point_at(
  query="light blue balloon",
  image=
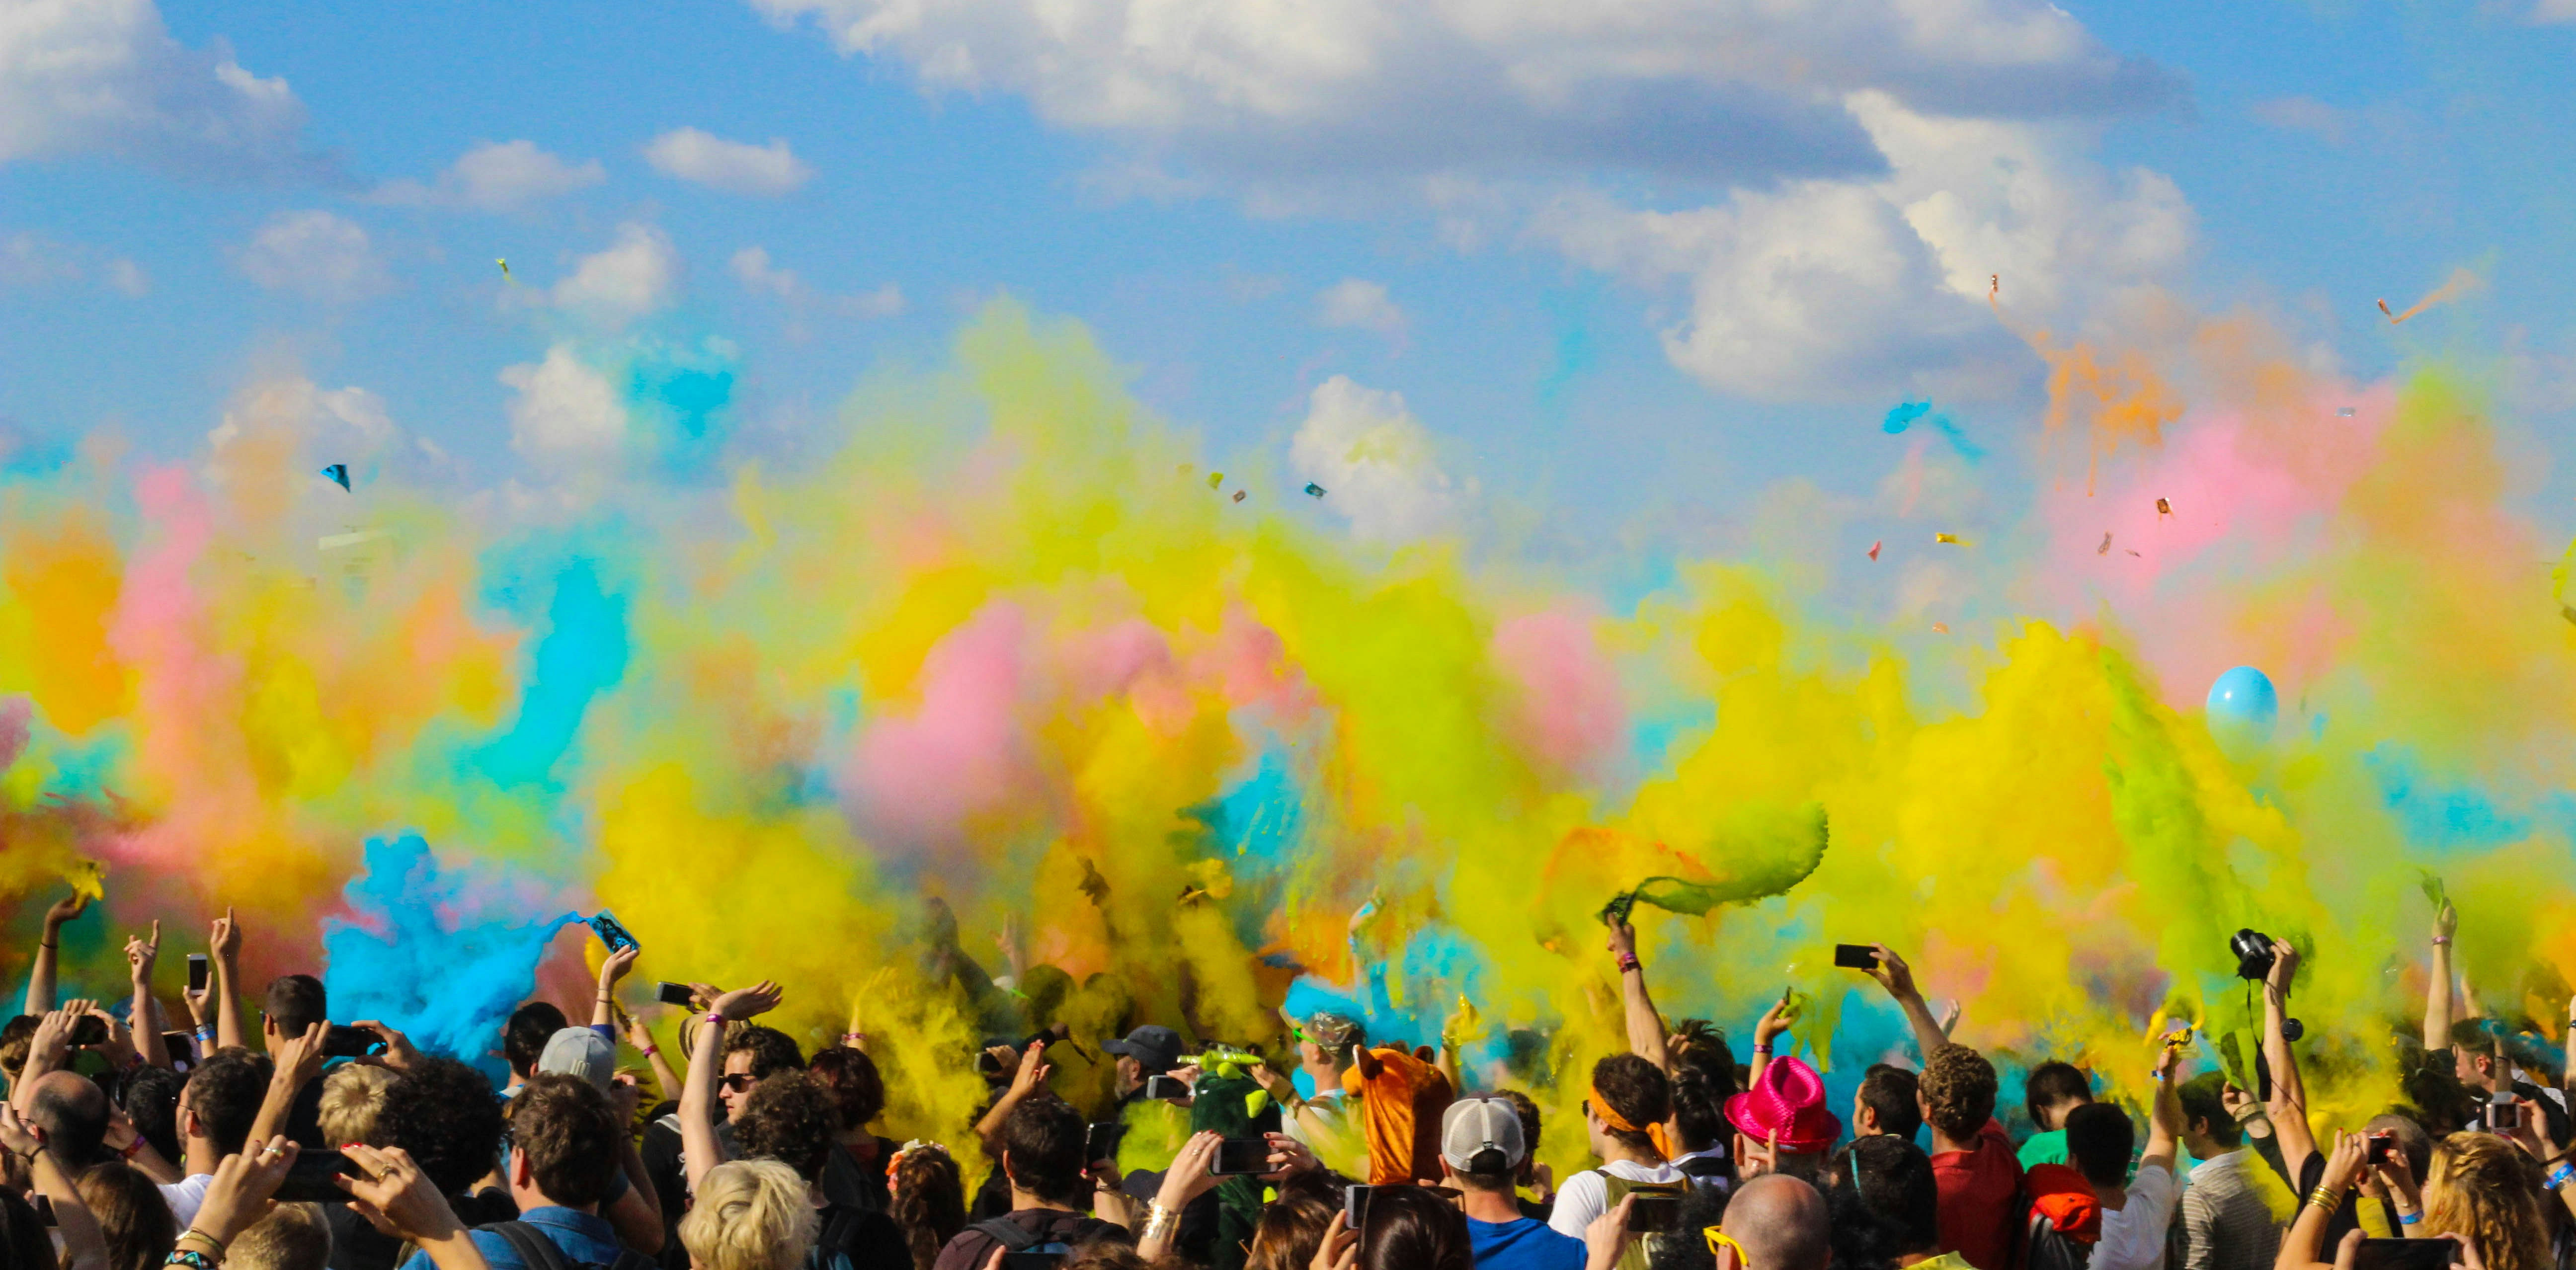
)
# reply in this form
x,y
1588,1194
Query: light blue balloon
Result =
x,y
2242,710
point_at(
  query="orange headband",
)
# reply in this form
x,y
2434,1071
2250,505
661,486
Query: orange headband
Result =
x,y
1655,1133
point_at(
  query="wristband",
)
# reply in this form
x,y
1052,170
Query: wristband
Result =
x,y
1628,961
46,946
1763,1050
1158,1220
2326,1197
2441,939
650,1050
133,1148
716,1017
190,1258
211,1242
2409,1219
2562,1175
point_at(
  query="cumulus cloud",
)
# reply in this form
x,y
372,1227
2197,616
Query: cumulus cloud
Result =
x,y
703,158
636,276
565,413
1360,304
1852,288
315,254
497,176
1376,462
104,76
753,268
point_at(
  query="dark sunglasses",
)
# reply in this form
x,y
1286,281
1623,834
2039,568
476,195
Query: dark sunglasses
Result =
x,y
740,1082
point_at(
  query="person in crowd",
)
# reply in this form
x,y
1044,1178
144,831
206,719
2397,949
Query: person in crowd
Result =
x,y
1398,1096
132,1217
2050,1091
793,1118
1041,1153
353,1095
750,1215
151,1102
1151,1050
2230,1196
440,1117
1973,1165
2482,1189
43,1175
290,1237
928,1199
1328,1045
523,1041
217,1108
1400,1228
1695,1059
2137,1208
1292,1229
1535,1177
1887,1101
1886,1209
1481,1152
1781,1125
1623,1115
633,1205
560,1164
855,1172
1775,1222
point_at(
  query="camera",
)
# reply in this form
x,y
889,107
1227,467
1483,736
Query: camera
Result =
x,y
2254,959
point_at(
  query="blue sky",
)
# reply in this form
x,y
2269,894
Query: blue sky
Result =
x,y
1613,269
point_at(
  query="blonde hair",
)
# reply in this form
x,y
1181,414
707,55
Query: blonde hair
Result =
x,y
291,1237
751,1215
351,1096
2481,1188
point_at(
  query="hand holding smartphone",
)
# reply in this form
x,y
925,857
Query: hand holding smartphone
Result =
x,y
1855,956
669,993
1241,1157
196,972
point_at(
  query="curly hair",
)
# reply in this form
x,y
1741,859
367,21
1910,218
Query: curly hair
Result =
x,y
444,1113
771,1050
750,1215
1958,1087
929,1202
2481,1188
856,1087
790,1118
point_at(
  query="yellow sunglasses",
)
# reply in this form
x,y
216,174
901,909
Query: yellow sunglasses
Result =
x,y
1718,1239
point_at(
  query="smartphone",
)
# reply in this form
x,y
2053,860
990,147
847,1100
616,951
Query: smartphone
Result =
x,y
989,1063
1236,1157
2503,1116
1355,1202
610,933
308,1180
45,1210
1100,1141
1159,1088
2379,1148
181,1047
2406,1254
343,1041
196,972
89,1029
1653,1214
669,993
1852,957
1051,1260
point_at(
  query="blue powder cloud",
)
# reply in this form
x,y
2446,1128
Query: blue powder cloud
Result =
x,y
1906,414
582,654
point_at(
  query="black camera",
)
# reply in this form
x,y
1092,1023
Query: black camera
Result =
x,y
2254,959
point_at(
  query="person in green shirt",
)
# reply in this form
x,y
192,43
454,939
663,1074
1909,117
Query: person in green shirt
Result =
x,y
2053,1090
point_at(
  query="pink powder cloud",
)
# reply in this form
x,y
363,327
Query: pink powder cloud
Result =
x,y
1569,714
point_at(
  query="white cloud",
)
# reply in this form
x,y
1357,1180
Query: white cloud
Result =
x,y
81,76
317,255
1375,462
128,277
29,259
750,267
498,177
1355,302
565,413
1852,288
636,276
703,158
753,268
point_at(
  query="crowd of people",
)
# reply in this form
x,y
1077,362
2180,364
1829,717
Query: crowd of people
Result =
x,y
312,1145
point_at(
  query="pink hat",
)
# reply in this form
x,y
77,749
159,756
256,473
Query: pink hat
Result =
x,y
1788,1098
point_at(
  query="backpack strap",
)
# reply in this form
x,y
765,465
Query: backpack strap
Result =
x,y
1013,1236
535,1251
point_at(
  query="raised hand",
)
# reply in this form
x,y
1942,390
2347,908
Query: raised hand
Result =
x,y
299,1058
1033,1071
1605,1238
1192,1173
1288,1158
1777,1019
617,964
63,910
398,1054
224,938
2285,964
1341,1247
140,953
2446,920
239,1195
20,1138
744,1003
396,1197
1623,940
1892,973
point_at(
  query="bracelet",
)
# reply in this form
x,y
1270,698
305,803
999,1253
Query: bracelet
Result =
x,y
2562,1175
1764,1050
217,1244
133,1148
190,1258
2409,1219
1628,961
650,1050
2326,1197
2441,939
46,946
716,1017
29,1155
1158,1220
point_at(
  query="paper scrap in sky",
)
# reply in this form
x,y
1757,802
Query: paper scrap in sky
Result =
x,y
338,472
2164,508
1215,479
1873,548
334,542
1238,495
1314,489
505,269
1953,539
2105,548
2461,280
1940,628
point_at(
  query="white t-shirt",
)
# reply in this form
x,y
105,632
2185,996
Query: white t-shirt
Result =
x,y
186,1196
1585,1196
2133,1236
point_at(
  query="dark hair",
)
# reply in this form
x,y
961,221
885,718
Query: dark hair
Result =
x,y
790,1118
1042,1141
568,1133
131,1214
2411,1140
1702,1207
27,1246
73,1113
1528,1112
524,1037
296,1002
1409,1228
1702,1044
2052,1083
1892,1179
1699,1107
15,1037
151,1101
1637,1091
1289,1232
1889,1093
771,1050
2200,1097
2099,1138
857,1090
224,1094
444,1114
928,1201
1958,1086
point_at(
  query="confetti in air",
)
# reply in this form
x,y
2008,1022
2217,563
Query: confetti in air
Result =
x,y
1314,489
1952,539
2163,508
2105,548
339,474
2461,280
1873,548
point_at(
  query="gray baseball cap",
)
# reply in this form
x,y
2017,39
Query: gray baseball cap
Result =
x,y
579,1051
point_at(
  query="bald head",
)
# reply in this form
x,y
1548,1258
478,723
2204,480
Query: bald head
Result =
x,y
71,1112
1780,1221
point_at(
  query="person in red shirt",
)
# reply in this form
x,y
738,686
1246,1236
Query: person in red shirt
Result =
x,y
1974,1168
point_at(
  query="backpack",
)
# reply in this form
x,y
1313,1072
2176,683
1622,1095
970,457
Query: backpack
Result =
x,y
2061,1220
538,1252
1642,1251
1015,1237
852,1238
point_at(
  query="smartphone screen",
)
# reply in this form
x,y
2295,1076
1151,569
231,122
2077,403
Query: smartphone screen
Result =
x,y
343,1041
611,934
196,972
2503,1117
179,1045
1158,1088
669,993
1240,1156
89,1029
1653,1214
2380,1149
2406,1254
1855,956
308,1180
1355,1202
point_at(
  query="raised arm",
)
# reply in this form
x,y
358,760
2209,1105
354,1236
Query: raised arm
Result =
x,y
1645,1025
698,1140
2306,1240
666,1083
140,954
1766,1032
1898,978
2164,1116
2288,1107
603,1006
2437,993
298,1060
1027,1079
637,1214
398,1199
224,943
40,979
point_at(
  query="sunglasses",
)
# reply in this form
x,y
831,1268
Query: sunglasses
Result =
x,y
1721,1245
739,1082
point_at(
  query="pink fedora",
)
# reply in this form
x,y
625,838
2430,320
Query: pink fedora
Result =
x,y
1788,1099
